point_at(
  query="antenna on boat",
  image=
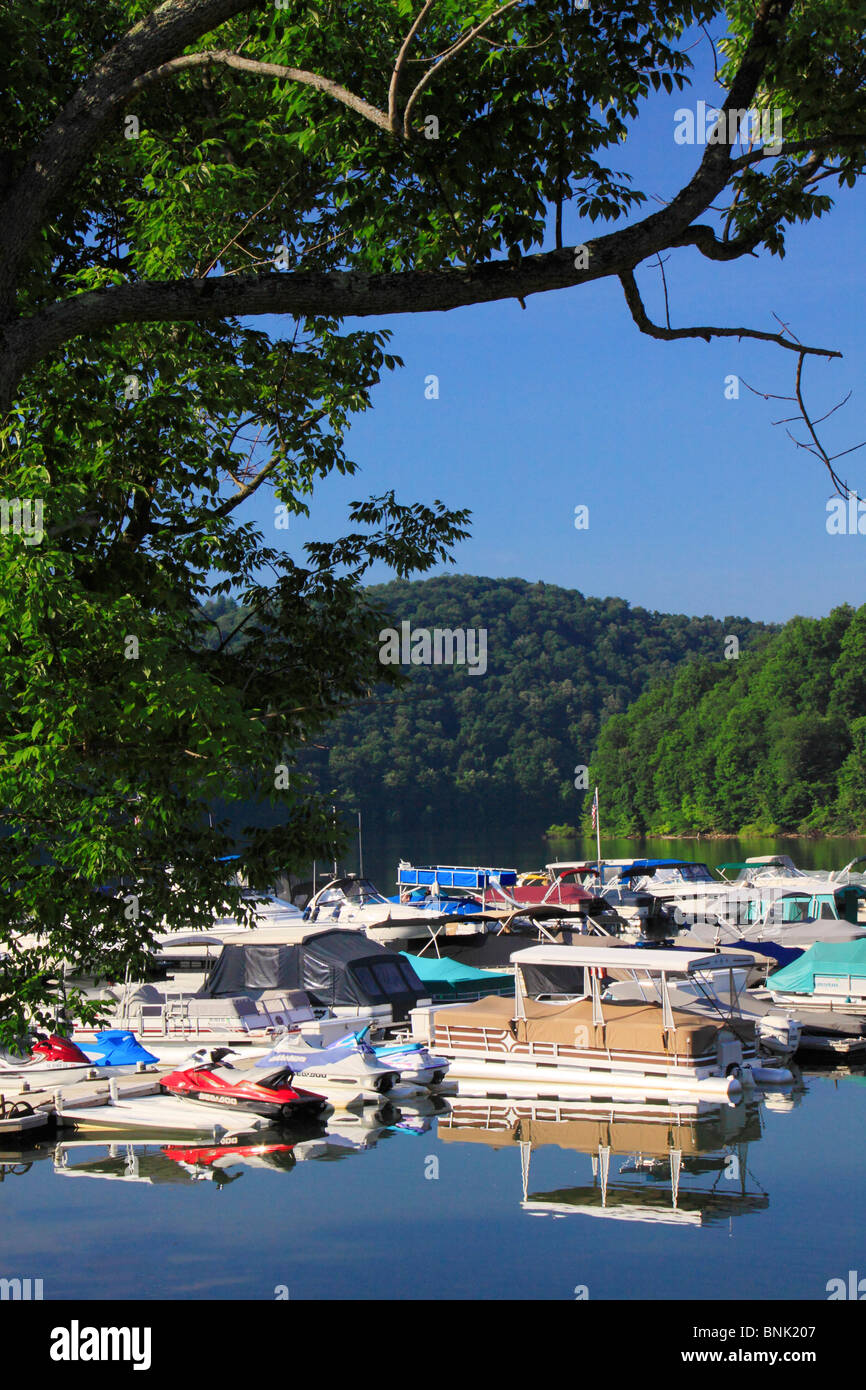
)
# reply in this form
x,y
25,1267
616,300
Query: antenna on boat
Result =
x,y
360,849
334,814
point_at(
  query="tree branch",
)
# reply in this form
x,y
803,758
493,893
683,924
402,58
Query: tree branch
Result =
x,y
338,293
222,57
446,58
654,330
393,90
818,142
77,130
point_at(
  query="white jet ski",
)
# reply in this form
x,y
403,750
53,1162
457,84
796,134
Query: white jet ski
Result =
x,y
350,1063
411,1059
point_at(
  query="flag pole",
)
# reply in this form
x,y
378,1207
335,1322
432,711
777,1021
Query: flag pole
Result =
x,y
598,837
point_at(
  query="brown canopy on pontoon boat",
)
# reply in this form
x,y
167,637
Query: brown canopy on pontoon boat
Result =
x,y
627,1027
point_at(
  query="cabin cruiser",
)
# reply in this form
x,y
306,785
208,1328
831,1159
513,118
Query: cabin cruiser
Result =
x,y
559,1033
352,902
785,924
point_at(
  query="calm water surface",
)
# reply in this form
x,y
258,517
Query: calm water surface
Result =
x,y
472,1203
768,1206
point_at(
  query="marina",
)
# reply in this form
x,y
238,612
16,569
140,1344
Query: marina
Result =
x,y
621,1088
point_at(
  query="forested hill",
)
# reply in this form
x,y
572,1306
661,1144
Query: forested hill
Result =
x,y
504,745
771,743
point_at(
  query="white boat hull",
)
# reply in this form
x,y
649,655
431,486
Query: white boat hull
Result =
x,y
476,1076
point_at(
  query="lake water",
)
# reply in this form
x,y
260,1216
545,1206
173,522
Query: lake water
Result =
x,y
488,1201
481,1204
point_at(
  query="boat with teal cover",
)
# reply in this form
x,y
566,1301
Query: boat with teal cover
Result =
x,y
448,981
830,975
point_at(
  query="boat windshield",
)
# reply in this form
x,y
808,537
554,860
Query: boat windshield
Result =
x,y
683,873
361,891
775,869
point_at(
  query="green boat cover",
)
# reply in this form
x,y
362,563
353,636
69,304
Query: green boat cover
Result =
x,y
449,979
824,958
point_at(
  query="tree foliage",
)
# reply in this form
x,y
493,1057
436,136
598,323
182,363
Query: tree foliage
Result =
x,y
505,747
171,175
771,743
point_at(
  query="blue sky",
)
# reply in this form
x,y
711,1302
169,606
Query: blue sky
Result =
x,y
697,504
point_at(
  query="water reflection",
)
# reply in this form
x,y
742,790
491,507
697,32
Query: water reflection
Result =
x,y
139,1157
679,1165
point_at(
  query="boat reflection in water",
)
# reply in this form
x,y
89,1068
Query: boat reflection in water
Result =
x,y
139,1157
663,1164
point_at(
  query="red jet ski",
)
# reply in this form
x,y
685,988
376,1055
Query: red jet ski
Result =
x,y
214,1080
49,1060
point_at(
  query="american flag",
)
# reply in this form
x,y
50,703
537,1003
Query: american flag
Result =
x,y
594,809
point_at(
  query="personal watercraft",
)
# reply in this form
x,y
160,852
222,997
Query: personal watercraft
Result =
x,y
412,1061
351,1062
211,1077
49,1060
119,1049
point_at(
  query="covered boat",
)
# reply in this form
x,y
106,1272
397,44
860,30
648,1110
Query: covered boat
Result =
x,y
448,981
558,1033
338,970
120,1049
827,976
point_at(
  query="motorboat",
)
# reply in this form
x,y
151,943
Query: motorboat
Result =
x,y
217,1077
449,981
253,993
355,903
827,978
787,923
463,889
167,1016
720,988
558,1033
561,884
349,1063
